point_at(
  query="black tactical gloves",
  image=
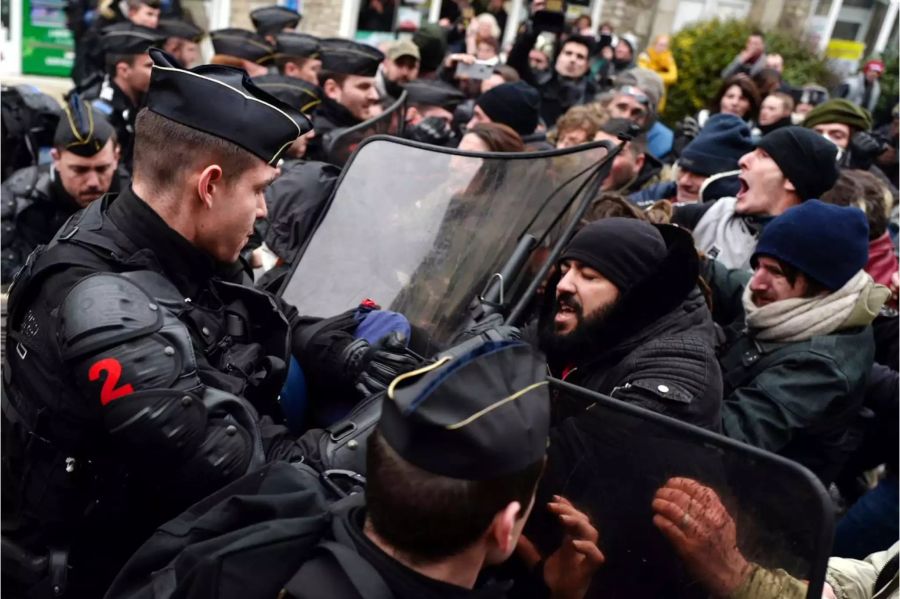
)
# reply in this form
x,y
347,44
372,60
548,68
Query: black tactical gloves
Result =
x,y
864,148
373,367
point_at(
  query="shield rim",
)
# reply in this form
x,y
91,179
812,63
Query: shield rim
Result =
x,y
295,259
819,563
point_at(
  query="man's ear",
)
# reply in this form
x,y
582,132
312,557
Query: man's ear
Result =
x,y
412,115
291,69
788,186
209,183
122,68
639,162
502,533
332,90
54,154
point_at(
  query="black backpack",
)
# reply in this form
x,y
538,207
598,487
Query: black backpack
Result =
x,y
246,540
28,120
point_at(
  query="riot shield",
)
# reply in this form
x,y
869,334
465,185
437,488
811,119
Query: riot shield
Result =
x,y
747,505
422,230
340,143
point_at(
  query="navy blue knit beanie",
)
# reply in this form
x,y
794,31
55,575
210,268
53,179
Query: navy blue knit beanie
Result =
x,y
517,105
827,243
721,143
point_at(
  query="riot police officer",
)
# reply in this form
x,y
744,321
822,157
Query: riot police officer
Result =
x,y
37,200
298,55
271,20
127,79
347,79
242,49
297,197
141,373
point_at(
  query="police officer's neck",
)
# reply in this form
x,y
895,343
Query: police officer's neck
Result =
x,y
461,569
171,209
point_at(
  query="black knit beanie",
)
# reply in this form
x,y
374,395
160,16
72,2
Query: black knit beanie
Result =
x,y
624,250
517,105
807,159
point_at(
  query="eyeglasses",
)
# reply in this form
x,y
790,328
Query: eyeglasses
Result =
x,y
637,94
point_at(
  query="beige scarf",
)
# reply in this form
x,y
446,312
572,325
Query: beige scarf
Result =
x,y
797,319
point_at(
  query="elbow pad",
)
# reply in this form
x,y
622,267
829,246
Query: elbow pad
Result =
x,y
134,362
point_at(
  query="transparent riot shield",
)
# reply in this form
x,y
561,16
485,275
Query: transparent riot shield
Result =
x,y
747,511
423,230
340,143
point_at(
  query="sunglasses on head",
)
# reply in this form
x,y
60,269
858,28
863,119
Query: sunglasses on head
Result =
x,y
637,94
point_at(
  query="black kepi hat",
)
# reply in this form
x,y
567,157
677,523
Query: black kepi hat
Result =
x,y
299,45
181,29
350,58
478,414
127,38
272,19
82,130
428,92
300,94
224,101
241,43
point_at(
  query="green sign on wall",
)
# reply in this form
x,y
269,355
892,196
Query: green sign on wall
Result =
x,y
47,45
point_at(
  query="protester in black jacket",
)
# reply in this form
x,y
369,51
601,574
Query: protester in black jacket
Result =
x,y
627,320
567,85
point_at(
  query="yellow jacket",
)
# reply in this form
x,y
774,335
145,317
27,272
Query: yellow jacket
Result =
x,y
663,64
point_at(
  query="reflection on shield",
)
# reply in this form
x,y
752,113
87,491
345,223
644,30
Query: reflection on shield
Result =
x,y
421,229
611,460
340,144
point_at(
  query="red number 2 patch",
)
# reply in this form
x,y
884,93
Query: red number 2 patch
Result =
x,y
113,370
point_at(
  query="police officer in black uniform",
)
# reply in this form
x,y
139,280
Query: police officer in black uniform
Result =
x,y
242,49
141,373
348,82
296,198
127,78
451,473
37,200
298,55
182,40
271,20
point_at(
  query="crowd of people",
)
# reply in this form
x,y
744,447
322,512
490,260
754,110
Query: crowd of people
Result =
x,y
735,274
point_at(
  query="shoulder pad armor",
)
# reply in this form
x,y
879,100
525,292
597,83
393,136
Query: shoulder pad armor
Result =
x,y
103,310
26,183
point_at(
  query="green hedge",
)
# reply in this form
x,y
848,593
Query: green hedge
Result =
x,y
889,89
704,49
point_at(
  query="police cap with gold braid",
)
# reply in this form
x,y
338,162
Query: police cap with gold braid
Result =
x,y
299,45
350,58
82,130
223,101
479,415
181,29
272,19
242,44
300,94
127,38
